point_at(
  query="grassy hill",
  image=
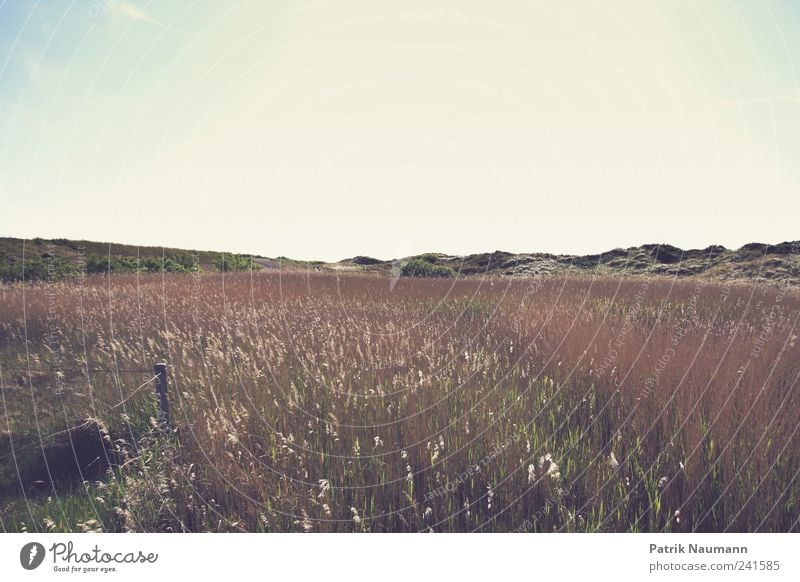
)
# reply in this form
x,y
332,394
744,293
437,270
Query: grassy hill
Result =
x,y
752,262
59,258
40,259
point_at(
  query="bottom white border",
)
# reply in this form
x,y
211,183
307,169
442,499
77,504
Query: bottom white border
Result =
x,y
333,557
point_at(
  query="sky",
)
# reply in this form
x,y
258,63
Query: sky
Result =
x,y
329,129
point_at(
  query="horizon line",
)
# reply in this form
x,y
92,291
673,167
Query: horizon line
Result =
x,y
165,247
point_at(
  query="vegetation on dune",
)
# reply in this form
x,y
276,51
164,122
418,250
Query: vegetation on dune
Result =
x,y
179,263
53,260
319,402
362,260
230,263
423,267
37,268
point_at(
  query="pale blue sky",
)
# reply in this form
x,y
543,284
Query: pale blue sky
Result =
x,y
329,129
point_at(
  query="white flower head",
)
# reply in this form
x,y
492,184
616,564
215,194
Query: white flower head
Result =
x,y
324,488
549,466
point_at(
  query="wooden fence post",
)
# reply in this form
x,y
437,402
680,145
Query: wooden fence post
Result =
x,y
161,392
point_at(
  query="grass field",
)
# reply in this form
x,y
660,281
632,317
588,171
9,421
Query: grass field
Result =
x,y
317,402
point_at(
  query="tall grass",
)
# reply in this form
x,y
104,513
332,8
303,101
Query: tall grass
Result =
x,y
316,402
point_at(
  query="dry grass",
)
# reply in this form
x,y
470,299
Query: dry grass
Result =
x,y
324,403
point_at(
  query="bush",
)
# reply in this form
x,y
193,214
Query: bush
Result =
x,y
229,263
115,264
42,268
423,268
181,263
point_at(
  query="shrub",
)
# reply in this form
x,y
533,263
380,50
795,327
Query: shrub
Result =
x,y
423,268
229,263
181,263
39,268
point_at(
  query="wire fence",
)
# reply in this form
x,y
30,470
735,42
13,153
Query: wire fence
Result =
x,y
71,371
83,424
